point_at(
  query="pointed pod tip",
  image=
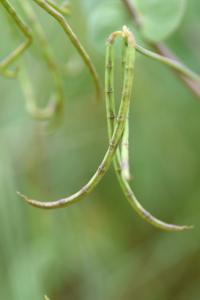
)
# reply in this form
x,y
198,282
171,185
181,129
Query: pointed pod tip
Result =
x,y
38,204
180,228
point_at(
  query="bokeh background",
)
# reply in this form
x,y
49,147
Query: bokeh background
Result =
x,y
99,248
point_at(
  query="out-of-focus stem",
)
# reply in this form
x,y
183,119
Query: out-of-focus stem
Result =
x,y
63,8
56,103
74,39
18,51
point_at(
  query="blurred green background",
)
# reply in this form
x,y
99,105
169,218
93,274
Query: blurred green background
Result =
x,y
99,248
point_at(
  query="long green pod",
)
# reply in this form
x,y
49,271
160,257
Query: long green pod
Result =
x,y
110,105
74,39
18,51
113,144
63,8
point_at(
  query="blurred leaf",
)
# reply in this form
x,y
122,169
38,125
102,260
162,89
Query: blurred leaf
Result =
x,y
107,16
160,18
88,4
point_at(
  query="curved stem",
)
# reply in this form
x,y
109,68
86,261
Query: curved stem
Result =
x,y
110,105
63,9
57,102
75,41
17,52
182,69
114,140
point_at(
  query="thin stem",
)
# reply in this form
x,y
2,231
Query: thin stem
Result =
x,y
63,9
110,105
57,102
161,48
17,52
75,41
179,67
167,52
113,144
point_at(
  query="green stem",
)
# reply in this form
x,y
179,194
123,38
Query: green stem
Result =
x,y
179,67
17,52
75,41
114,140
63,9
110,105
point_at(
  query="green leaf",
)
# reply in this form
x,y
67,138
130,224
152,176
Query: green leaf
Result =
x,y
159,18
106,17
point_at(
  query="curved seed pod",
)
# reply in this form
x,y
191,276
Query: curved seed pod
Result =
x,y
17,52
114,139
57,102
110,105
75,41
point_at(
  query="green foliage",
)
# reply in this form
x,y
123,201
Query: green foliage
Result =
x,y
160,18
107,17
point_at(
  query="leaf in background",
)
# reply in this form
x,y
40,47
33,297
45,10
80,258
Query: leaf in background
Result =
x,y
160,18
90,4
106,17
